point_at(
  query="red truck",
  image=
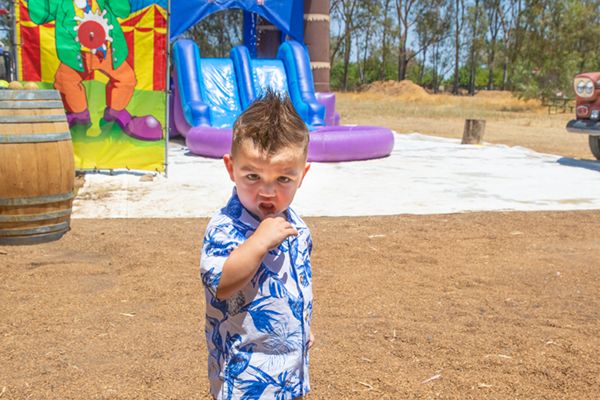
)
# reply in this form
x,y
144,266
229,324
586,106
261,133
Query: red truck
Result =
x,y
587,109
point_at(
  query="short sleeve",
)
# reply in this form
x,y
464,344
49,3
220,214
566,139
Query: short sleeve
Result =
x,y
219,242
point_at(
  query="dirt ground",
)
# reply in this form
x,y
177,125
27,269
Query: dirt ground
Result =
x,y
462,306
457,306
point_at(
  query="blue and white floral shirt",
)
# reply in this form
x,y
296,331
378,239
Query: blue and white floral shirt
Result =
x,y
257,339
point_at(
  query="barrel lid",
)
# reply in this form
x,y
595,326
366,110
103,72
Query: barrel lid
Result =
x,y
29,94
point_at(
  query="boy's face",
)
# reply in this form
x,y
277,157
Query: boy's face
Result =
x,y
266,185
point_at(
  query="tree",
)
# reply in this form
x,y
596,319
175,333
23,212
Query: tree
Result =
x,y
346,11
530,46
406,19
458,19
477,26
441,63
492,10
512,21
432,28
387,25
367,20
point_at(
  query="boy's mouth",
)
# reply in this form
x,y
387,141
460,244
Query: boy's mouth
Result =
x,y
267,208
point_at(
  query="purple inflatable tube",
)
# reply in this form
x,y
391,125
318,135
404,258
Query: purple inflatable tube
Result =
x,y
332,143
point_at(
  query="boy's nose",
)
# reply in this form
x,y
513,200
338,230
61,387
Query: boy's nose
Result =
x,y
267,191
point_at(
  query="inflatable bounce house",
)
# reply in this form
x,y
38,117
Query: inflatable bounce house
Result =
x,y
286,49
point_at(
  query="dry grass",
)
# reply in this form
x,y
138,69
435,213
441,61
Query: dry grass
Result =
x,y
509,120
484,101
496,105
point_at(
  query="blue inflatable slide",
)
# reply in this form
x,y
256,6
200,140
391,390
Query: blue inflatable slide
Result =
x,y
210,93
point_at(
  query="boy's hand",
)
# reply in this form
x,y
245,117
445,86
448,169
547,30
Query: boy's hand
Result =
x,y
311,341
272,231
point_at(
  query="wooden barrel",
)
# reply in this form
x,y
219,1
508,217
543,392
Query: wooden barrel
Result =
x,y
37,169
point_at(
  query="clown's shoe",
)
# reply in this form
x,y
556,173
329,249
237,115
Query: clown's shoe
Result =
x,y
79,119
143,128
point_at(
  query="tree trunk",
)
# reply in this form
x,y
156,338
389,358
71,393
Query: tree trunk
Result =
x,y
384,44
504,74
402,58
402,10
434,80
474,51
422,67
456,82
474,130
347,48
490,84
359,63
472,69
365,54
456,47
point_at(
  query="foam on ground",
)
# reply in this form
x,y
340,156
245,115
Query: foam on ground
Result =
x,y
423,175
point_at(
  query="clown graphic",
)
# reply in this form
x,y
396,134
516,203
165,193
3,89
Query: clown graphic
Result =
x,y
89,38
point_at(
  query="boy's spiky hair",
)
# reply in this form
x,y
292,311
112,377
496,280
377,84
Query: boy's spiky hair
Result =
x,y
272,123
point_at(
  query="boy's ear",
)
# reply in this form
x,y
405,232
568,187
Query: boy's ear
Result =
x,y
306,168
229,165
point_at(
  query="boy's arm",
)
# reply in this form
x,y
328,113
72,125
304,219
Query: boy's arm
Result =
x,y
243,262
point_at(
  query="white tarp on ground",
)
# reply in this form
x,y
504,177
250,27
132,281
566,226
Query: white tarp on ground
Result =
x,y
423,175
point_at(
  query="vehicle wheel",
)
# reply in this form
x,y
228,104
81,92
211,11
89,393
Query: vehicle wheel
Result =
x,y
595,146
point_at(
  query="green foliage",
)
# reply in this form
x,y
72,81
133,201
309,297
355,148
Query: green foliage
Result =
x,y
337,73
413,71
540,44
481,77
428,78
560,42
372,70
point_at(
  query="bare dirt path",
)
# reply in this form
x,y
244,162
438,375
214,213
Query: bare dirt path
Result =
x,y
460,306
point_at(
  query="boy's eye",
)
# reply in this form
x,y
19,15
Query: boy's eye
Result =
x,y
252,177
284,179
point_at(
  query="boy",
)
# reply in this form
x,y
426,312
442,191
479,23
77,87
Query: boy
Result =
x,y
255,262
